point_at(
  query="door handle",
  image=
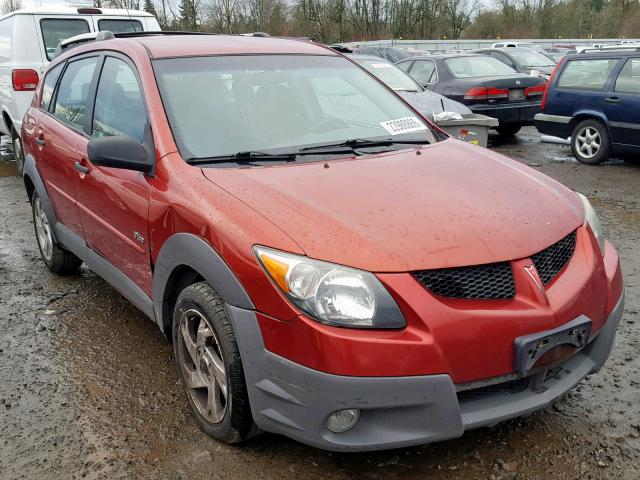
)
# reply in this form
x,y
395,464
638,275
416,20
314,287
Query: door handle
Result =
x,y
40,141
81,168
612,100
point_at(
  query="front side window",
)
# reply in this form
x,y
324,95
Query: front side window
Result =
x,y
119,107
424,71
224,105
49,86
120,25
480,66
56,29
629,79
586,74
73,92
391,75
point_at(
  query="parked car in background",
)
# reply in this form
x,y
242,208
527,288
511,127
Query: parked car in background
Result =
x,y
523,60
529,45
423,100
472,127
392,54
482,83
28,41
328,266
594,99
558,53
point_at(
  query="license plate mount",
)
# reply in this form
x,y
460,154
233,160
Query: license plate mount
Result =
x,y
530,348
516,94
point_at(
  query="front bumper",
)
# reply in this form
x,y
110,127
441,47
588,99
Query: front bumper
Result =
x,y
510,114
293,400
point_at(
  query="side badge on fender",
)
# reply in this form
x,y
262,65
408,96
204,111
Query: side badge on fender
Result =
x,y
138,237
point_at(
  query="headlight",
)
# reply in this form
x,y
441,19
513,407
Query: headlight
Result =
x,y
591,219
330,293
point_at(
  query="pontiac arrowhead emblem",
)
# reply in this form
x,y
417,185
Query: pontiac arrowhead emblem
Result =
x,y
533,273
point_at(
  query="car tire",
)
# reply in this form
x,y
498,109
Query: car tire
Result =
x,y
56,258
590,142
508,131
209,365
18,151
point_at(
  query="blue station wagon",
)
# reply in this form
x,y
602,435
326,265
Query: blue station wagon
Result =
x,y
594,99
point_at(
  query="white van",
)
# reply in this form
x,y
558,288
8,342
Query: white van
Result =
x,y
28,41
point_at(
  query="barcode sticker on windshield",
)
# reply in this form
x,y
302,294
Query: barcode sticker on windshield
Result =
x,y
403,125
381,65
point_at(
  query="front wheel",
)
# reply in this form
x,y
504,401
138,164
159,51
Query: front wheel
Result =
x,y
590,142
508,131
18,152
209,365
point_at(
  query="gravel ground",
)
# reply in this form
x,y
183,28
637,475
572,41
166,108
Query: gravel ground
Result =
x,y
88,387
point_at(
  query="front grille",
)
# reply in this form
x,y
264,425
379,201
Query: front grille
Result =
x,y
551,260
483,281
510,386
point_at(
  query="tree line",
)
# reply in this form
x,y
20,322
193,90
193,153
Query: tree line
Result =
x,y
356,20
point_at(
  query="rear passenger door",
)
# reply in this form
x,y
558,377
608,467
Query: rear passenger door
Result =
x,y
113,202
60,134
622,105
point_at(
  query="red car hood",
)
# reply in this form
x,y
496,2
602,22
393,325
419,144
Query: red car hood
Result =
x,y
454,204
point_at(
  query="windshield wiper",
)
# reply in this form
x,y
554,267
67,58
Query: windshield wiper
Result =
x,y
245,157
364,143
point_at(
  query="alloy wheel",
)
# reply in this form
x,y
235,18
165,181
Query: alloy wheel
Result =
x,y
17,153
43,230
203,367
588,142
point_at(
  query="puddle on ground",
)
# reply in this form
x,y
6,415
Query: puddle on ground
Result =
x,y
8,169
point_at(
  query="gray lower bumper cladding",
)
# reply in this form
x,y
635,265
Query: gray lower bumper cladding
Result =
x,y
293,400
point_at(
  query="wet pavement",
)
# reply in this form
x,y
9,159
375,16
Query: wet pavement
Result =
x,y
88,387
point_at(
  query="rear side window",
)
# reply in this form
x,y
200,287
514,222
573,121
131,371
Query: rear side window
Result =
x,y
49,86
586,74
73,92
629,78
119,108
124,25
424,72
56,29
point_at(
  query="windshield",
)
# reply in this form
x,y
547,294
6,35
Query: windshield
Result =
x,y
224,105
391,75
531,58
532,46
480,66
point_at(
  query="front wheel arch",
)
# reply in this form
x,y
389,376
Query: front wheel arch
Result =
x,y
184,257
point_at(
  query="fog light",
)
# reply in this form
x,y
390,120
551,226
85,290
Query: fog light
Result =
x,y
343,420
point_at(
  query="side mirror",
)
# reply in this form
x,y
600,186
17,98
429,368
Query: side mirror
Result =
x,y
120,151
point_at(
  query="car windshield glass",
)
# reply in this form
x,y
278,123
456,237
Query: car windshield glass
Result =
x,y
56,29
279,104
531,58
531,46
390,75
480,66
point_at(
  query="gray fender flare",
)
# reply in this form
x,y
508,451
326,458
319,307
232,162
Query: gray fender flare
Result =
x,y
31,172
185,249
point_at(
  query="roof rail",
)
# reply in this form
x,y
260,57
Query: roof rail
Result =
x,y
71,42
613,48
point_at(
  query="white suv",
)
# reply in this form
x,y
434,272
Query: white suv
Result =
x,y
28,41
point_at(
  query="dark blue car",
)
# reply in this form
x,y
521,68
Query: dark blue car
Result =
x,y
594,99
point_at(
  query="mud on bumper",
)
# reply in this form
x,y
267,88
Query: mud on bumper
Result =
x,y
293,400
